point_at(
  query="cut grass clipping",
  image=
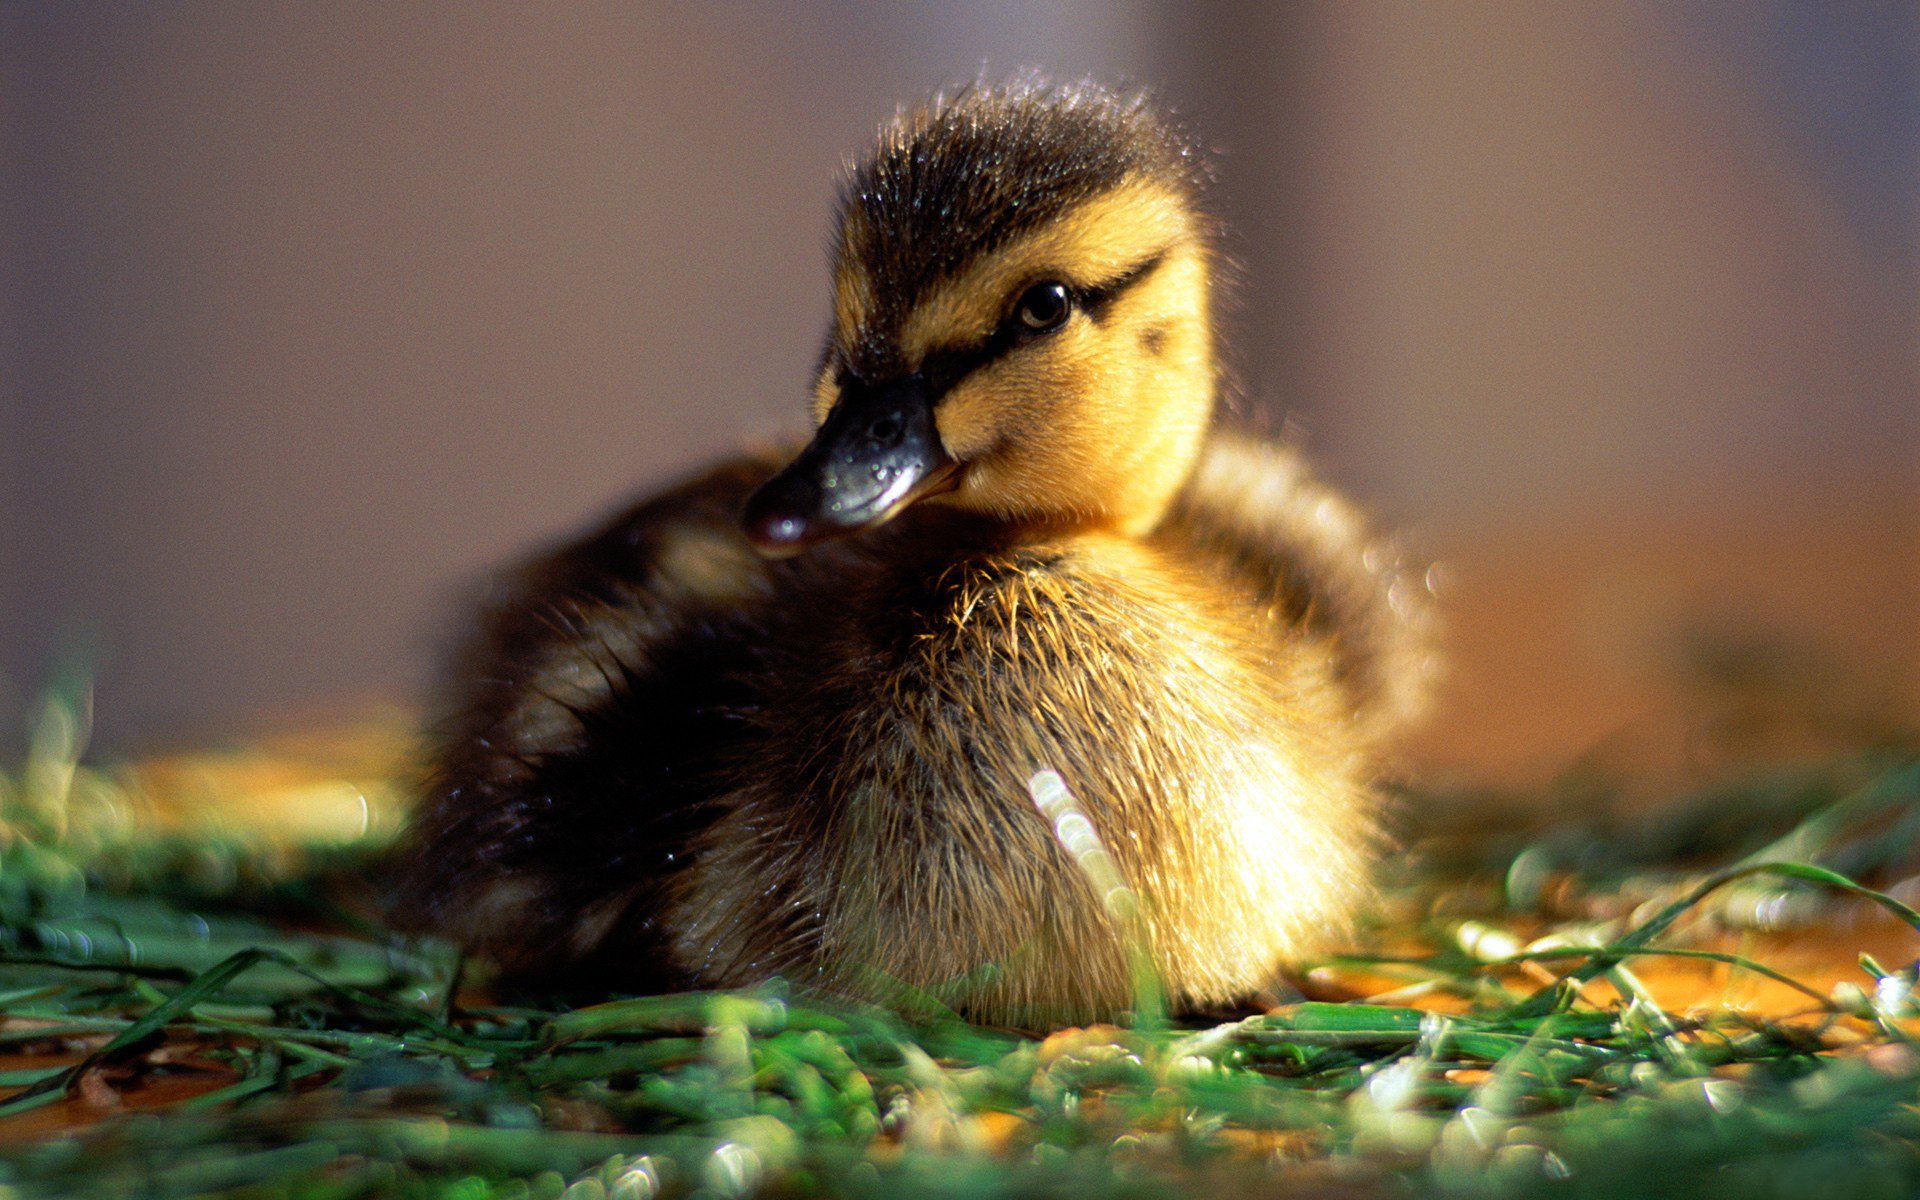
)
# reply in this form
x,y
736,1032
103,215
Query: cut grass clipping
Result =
x,y
1581,1011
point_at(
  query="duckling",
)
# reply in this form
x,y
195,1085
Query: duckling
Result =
x,y
791,717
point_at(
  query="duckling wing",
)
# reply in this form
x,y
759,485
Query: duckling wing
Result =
x,y
1253,514
583,718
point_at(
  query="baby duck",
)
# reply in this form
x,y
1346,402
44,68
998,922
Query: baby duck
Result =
x,y
793,719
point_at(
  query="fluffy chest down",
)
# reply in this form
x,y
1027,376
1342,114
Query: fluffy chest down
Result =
x,y
883,832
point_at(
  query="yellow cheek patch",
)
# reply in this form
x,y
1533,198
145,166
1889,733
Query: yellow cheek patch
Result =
x,y
1094,242
1019,394
1098,421
1091,374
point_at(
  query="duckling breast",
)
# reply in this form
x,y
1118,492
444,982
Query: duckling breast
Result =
x,y
885,833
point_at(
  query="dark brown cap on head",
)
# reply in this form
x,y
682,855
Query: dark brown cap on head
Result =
x,y
963,174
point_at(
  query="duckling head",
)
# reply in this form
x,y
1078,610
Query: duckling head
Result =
x,y
1021,322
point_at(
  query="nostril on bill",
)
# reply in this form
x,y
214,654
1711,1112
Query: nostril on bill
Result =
x,y
885,431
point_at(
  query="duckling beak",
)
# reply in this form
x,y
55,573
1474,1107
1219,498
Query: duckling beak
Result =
x,y
877,452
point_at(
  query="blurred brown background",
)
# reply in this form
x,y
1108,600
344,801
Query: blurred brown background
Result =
x,y
314,311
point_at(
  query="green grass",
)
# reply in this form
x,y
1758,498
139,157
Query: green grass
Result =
x,y
337,1061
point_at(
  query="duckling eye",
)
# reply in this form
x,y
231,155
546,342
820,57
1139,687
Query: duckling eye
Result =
x,y
1044,306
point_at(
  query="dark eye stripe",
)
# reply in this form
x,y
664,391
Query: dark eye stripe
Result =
x,y
1097,299
946,366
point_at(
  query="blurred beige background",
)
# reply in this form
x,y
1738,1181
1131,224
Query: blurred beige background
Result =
x,y
314,311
